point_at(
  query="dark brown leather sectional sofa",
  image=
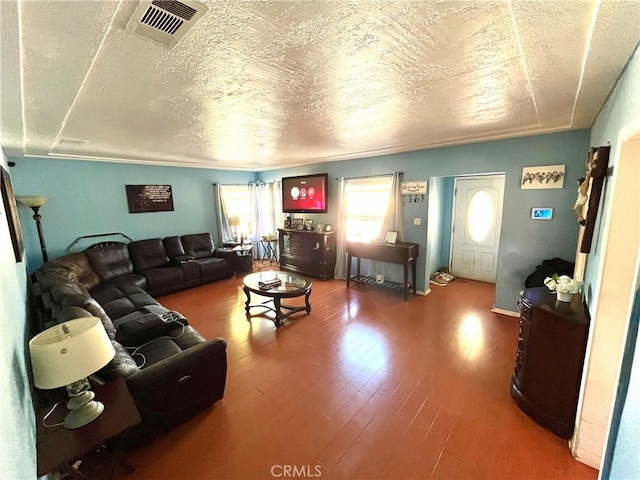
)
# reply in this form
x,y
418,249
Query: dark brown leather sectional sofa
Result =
x,y
170,369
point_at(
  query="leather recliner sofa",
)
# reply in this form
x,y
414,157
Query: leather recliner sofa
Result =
x,y
170,369
172,264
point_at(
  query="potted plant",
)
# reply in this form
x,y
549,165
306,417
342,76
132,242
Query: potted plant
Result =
x,y
564,286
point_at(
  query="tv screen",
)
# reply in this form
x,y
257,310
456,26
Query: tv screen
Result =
x,y
305,194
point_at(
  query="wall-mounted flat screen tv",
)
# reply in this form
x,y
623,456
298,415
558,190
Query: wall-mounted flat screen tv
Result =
x,y
305,194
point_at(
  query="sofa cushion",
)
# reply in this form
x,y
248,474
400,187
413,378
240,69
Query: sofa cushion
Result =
x,y
155,351
119,301
128,280
77,268
164,280
147,254
173,247
109,261
214,268
198,245
60,291
122,364
88,303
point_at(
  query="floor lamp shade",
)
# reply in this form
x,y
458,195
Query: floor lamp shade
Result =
x,y
34,201
68,352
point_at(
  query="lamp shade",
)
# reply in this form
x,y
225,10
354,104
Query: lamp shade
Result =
x,y
33,201
234,221
69,352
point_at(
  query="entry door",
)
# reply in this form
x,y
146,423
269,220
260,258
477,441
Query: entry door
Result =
x,y
476,227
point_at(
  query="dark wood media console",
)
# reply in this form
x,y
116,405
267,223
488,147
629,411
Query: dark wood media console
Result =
x,y
401,253
549,359
307,252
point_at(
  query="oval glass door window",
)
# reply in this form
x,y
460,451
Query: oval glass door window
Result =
x,y
480,216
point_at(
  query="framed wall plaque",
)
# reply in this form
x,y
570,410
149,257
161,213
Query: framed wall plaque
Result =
x,y
149,198
11,210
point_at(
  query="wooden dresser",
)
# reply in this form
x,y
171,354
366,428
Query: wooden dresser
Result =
x,y
549,359
307,252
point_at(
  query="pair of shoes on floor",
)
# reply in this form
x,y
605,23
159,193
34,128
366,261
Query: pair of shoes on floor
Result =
x,y
440,279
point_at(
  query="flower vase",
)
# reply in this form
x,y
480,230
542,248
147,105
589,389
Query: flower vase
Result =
x,y
564,296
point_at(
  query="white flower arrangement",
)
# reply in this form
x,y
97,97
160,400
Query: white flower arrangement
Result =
x,y
563,284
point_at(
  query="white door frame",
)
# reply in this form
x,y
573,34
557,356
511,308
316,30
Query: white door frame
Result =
x,y
453,208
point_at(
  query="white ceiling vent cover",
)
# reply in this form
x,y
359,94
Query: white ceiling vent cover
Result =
x,y
165,21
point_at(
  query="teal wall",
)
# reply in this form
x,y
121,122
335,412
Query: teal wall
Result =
x,y
17,435
447,221
622,458
434,225
524,243
622,106
87,198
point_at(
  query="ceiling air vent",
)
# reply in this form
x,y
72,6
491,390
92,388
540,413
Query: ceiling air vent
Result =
x,y
165,21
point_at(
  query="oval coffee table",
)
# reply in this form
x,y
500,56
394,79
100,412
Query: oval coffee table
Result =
x,y
291,286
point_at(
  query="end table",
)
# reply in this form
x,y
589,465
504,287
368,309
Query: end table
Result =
x,y
58,447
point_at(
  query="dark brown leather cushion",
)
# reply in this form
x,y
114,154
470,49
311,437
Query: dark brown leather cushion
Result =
x,y
122,365
78,269
173,247
198,245
110,261
59,292
146,254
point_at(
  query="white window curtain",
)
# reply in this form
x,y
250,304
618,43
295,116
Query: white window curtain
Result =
x,y
235,201
257,205
368,207
224,230
267,201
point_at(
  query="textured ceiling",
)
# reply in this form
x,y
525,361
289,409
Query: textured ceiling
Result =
x,y
259,85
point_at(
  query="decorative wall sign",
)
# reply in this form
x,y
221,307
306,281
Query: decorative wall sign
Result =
x,y
547,176
413,188
149,198
11,211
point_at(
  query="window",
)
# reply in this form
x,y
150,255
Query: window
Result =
x,y
366,206
237,203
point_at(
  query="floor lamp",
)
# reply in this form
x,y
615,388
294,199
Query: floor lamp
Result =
x,y
35,203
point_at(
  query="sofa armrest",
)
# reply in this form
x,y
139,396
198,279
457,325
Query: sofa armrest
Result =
x,y
228,254
193,377
141,327
179,260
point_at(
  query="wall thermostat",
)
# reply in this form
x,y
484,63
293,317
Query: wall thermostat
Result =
x,y
541,213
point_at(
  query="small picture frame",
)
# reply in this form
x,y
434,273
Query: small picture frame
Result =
x,y
297,223
287,222
319,227
328,227
391,236
308,224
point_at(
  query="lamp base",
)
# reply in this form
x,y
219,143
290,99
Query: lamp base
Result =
x,y
83,409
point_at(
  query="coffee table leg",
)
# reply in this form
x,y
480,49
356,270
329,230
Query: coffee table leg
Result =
x,y
306,300
246,304
278,311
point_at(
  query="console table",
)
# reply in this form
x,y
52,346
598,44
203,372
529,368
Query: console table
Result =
x,y
401,253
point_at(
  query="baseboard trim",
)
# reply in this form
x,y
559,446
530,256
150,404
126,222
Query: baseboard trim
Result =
x,y
502,311
426,292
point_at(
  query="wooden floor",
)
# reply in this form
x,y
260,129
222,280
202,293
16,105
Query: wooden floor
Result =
x,y
366,386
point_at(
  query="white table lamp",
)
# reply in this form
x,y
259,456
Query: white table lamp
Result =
x,y
64,355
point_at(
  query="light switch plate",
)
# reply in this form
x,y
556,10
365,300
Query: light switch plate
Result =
x,y
417,221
